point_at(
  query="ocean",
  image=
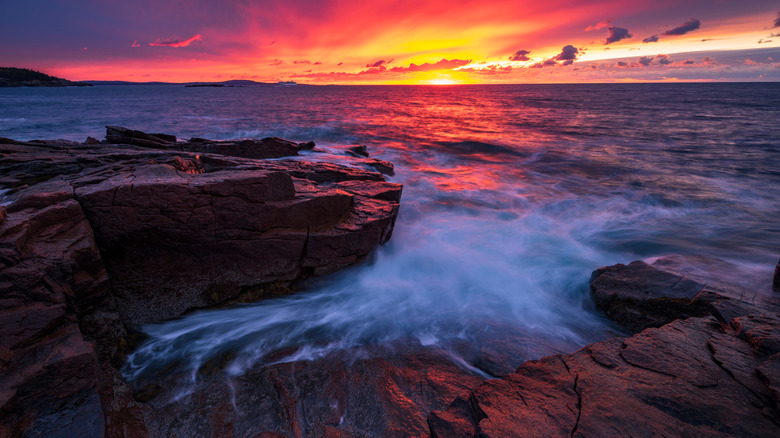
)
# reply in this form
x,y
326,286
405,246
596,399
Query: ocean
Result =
x,y
513,195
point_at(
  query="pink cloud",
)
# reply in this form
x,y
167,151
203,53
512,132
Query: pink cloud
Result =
x,y
135,44
177,43
598,26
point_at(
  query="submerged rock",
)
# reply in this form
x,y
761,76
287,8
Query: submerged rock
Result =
x,y
98,239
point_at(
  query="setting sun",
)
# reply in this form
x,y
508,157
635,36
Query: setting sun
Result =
x,y
442,81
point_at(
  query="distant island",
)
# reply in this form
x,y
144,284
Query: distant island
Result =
x,y
24,77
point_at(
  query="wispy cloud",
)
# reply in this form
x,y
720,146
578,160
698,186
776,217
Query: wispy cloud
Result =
x,y
598,26
176,42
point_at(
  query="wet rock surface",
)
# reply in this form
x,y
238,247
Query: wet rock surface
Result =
x,y
97,239
709,375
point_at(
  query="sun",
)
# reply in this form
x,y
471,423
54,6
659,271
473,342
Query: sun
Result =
x,y
442,82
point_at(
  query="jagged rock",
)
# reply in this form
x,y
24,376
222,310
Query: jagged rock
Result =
x,y
358,151
700,376
173,231
53,290
121,135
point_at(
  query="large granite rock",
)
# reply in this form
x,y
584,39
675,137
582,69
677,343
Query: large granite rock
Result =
x,y
715,375
96,239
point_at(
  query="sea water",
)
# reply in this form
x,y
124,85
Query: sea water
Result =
x,y
513,195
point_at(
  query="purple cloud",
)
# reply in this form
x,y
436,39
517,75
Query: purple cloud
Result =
x,y
688,26
646,60
520,55
616,34
777,20
651,39
568,53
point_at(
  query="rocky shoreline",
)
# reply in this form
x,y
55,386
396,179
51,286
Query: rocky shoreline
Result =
x,y
704,361
100,238
97,239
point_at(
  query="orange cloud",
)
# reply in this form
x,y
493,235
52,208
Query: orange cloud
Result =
x,y
176,43
439,65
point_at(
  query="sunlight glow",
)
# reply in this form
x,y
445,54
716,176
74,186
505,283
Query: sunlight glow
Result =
x,y
442,81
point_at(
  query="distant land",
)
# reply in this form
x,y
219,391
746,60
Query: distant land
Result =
x,y
24,77
230,83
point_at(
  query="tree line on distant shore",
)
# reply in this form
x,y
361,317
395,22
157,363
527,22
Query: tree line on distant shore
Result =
x,y
25,77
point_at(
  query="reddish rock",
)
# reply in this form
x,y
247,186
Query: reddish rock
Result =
x,y
173,231
664,381
346,394
691,377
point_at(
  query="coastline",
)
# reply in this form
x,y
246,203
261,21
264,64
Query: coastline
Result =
x,y
79,249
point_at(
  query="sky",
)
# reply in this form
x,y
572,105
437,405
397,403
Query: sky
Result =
x,y
395,42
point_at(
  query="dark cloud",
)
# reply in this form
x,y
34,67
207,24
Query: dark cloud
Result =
x,y
645,60
688,26
622,64
377,63
339,63
568,53
176,42
439,65
616,34
318,63
520,55
567,56
763,41
689,62
708,60
777,20
663,59
651,39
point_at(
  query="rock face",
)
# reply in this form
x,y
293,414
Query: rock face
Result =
x,y
713,375
96,239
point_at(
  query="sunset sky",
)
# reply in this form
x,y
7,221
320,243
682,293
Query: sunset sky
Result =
x,y
387,42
